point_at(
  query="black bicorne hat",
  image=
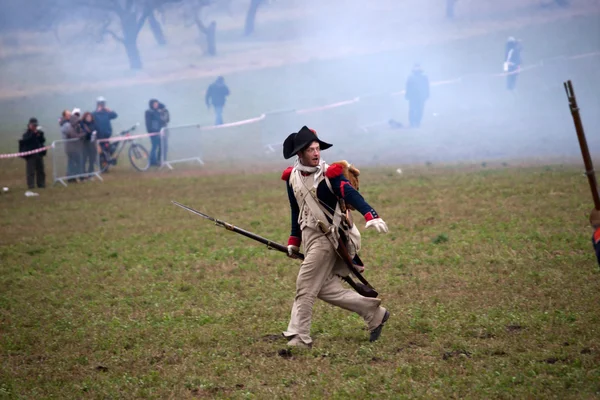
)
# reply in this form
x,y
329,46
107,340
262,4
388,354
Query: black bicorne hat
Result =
x,y
300,140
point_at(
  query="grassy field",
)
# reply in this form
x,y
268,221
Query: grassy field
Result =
x,y
109,291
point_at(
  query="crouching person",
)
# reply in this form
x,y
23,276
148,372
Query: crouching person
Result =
x,y
34,139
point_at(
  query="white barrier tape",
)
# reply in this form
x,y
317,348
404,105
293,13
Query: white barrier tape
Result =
x,y
237,123
596,53
25,153
436,83
126,137
328,106
314,109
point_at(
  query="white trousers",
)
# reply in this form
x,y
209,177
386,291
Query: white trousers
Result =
x,y
317,278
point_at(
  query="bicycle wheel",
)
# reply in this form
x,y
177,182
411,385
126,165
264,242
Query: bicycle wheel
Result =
x,y
104,158
139,158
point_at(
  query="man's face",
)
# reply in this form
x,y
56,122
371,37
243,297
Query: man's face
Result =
x,y
68,115
311,156
101,105
155,104
33,127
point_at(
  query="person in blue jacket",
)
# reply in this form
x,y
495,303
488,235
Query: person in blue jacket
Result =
x,y
102,116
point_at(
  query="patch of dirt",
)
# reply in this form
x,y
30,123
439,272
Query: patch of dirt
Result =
x,y
456,353
514,328
200,392
285,353
484,335
272,338
554,360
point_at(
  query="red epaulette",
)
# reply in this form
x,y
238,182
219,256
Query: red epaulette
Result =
x,y
286,174
597,235
334,171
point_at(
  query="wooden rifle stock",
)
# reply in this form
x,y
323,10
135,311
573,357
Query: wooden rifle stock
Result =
x,y
364,289
585,151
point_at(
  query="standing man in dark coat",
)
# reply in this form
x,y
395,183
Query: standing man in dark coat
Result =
x,y
512,61
34,139
216,95
417,93
102,116
157,118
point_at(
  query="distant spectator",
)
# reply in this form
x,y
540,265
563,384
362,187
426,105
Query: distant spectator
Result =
x,y
90,151
157,118
102,117
512,61
34,139
216,95
450,8
417,93
70,129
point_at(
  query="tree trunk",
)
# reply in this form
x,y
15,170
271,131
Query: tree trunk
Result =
x,y
130,34
450,9
211,39
251,17
156,29
133,53
210,33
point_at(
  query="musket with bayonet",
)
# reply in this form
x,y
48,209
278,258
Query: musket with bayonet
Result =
x,y
587,161
363,288
585,151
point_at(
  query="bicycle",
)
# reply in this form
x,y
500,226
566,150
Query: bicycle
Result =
x,y
138,155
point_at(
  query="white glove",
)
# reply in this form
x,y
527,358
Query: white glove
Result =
x,y
292,249
378,223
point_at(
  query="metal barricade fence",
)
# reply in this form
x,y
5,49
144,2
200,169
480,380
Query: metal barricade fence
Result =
x,y
73,159
225,143
181,144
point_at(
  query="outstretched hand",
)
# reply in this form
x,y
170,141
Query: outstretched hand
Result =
x,y
378,224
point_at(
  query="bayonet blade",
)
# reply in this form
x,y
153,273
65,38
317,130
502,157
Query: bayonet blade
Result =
x,y
194,211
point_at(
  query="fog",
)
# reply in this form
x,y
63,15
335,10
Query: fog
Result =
x,y
306,54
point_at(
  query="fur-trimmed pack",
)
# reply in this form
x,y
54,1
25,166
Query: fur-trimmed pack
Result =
x,y
350,172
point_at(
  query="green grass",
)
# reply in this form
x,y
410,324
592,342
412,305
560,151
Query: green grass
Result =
x,y
109,291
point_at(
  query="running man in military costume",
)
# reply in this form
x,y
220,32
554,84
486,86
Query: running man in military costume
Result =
x,y
318,193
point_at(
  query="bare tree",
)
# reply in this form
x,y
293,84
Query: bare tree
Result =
x,y
251,16
194,12
156,29
450,8
129,15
